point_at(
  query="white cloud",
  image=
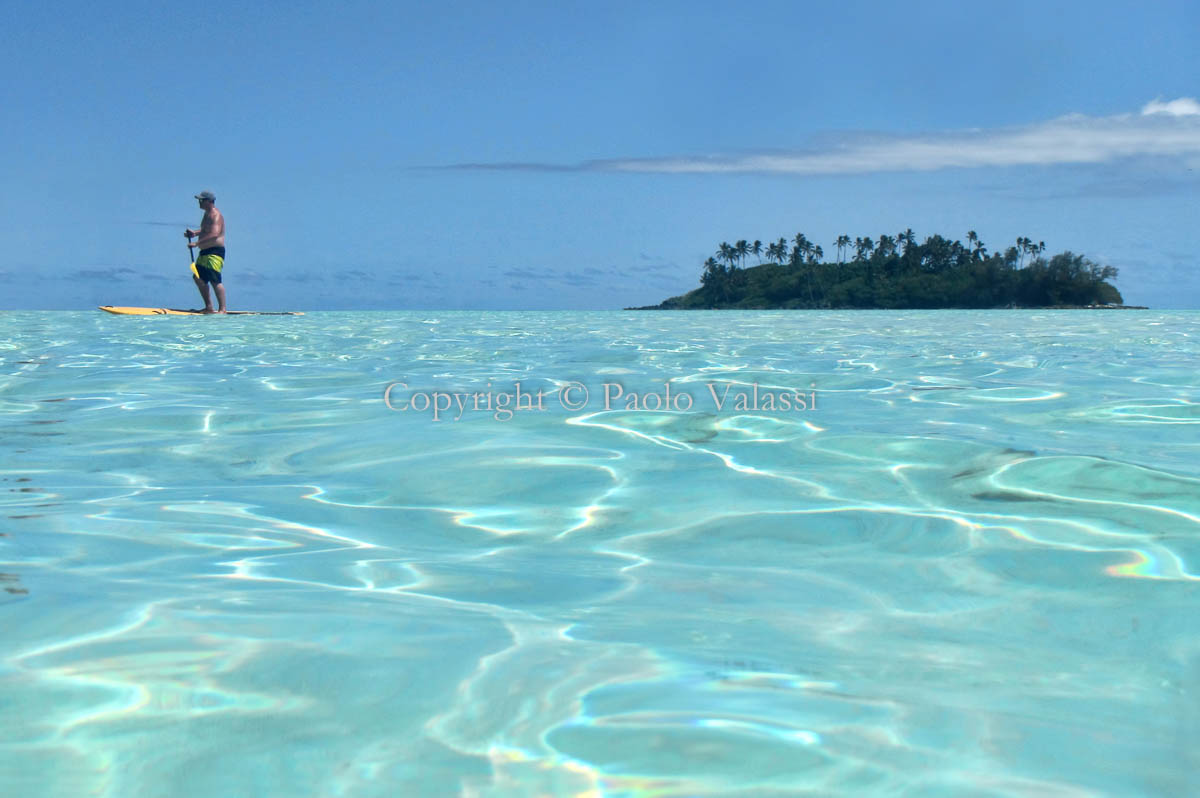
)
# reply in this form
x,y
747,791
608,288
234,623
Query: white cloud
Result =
x,y
1184,106
1162,129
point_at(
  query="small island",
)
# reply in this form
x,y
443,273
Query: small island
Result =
x,y
896,272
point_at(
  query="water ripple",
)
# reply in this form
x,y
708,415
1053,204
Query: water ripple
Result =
x,y
227,568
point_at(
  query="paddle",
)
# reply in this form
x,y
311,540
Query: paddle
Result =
x,y
195,273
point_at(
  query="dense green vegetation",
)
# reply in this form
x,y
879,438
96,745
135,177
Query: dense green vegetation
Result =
x,y
897,272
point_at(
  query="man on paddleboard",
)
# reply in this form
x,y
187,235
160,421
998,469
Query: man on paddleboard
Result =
x,y
212,251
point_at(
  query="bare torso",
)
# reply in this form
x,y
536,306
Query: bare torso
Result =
x,y
212,229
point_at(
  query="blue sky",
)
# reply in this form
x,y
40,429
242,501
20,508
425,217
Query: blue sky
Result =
x,y
571,155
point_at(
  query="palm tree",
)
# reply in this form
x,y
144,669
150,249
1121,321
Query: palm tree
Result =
x,y
863,248
1030,248
712,270
817,255
809,249
741,249
979,251
714,278
726,253
756,250
908,238
1025,246
841,243
803,247
803,251
887,245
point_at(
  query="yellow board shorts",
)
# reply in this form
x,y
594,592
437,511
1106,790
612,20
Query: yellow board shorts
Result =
x,y
208,268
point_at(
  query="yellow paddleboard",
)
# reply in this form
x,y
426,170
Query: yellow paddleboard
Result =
x,y
126,311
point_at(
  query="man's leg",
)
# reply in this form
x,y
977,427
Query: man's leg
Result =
x,y
203,286
220,289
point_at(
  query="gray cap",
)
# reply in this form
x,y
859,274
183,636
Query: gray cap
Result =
x,y
206,195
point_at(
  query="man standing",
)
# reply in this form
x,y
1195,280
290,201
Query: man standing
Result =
x,y
212,251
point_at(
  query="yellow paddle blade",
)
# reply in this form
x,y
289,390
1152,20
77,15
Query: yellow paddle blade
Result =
x,y
195,273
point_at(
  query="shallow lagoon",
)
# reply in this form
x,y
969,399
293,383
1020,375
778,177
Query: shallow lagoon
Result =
x,y
232,568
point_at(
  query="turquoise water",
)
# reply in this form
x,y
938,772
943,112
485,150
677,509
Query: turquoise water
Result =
x,y
234,567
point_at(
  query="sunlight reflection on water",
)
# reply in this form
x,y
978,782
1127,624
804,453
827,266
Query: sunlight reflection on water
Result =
x,y
229,568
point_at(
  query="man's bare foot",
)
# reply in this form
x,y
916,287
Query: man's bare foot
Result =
x,y
207,311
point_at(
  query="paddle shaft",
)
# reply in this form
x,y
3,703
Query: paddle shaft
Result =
x,y
192,255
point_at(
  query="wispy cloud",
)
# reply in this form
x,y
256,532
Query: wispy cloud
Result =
x,y
530,274
112,273
356,274
1169,129
588,276
304,277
